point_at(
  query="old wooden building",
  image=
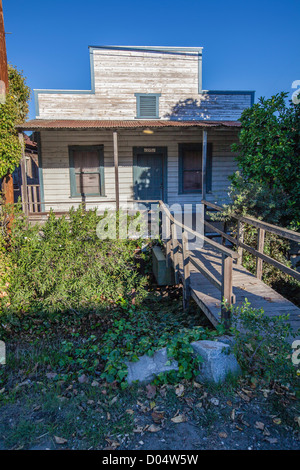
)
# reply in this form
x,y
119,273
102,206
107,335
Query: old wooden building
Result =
x,y
146,130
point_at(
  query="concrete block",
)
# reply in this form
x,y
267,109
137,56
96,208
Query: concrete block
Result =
x,y
218,361
164,275
147,368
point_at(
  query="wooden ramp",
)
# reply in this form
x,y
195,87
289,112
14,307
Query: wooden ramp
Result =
x,y
210,271
244,286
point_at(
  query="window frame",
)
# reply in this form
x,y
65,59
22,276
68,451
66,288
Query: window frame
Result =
x,y
138,108
195,146
100,150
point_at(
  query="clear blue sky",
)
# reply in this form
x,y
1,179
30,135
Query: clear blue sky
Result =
x,y
248,45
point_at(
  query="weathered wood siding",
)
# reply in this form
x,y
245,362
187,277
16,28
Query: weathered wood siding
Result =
x,y
55,163
119,74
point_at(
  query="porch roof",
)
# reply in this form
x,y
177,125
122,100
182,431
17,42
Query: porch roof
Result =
x,y
39,124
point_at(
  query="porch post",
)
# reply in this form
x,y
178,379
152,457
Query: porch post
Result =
x,y
24,191
116,164
204,158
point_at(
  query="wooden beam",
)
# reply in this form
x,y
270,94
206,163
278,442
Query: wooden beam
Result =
x,y
204,162
116,165
206,273
260,249
281,231
226,289
24,188
291,272
175,252
168,242
240,239
3,55
217,246
7,183
186,271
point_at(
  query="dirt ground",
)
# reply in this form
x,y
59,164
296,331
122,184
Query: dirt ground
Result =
x,y
187,416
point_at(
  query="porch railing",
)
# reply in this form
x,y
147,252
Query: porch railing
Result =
x,y
259,254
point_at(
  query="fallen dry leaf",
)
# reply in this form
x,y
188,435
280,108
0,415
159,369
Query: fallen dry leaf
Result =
x,y
197,385
51,375
223,435
113,401
244,397
153,428
113,444
214,401
129,412
259,425
151,391
179,390
189,401
179,419
60,440
271,440
138,429
158,416
82,379
277,421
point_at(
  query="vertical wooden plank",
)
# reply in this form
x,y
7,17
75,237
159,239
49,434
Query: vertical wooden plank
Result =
x,y
35,199
168,241
24,176
175,252
226,288
116,165
204,157
30,205
224,231
260,248
240,239
186,271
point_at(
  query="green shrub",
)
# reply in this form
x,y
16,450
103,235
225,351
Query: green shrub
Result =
x,y
261,344
64,266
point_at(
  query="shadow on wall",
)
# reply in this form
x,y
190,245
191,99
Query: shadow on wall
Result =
x,y
190,109
208,106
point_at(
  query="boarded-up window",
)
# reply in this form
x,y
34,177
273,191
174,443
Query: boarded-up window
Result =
x,y
86,170
147,105
190,168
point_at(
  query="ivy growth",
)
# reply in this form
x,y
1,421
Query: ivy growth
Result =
x,y
13,112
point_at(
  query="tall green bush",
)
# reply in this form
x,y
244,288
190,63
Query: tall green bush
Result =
x,y
13,112
64,266
268,183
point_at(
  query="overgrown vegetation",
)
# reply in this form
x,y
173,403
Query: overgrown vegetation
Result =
x,y
66,267
75,309
268,185
262,345
13,112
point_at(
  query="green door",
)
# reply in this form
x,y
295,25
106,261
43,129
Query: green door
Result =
x,y
149,173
